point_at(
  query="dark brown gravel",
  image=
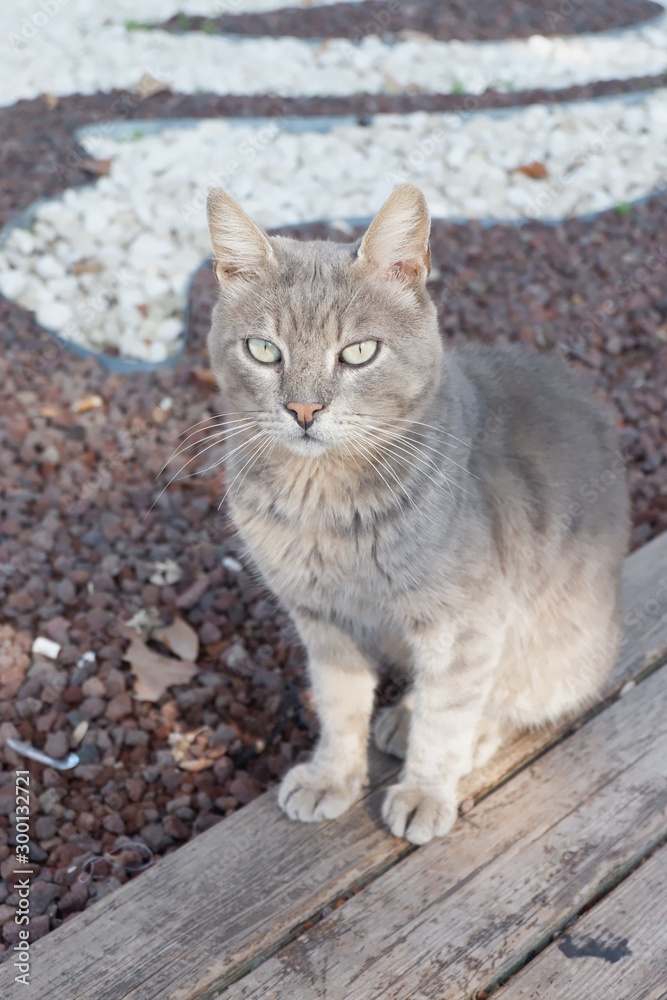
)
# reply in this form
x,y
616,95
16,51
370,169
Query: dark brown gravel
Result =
x,y
78,544
453,19
39,156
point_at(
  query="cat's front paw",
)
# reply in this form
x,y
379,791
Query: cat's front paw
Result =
x,y
418,814
311,794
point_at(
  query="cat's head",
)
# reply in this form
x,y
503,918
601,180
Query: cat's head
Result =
x,y
322,341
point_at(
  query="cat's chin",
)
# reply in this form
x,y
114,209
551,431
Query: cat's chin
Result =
x,y
307,446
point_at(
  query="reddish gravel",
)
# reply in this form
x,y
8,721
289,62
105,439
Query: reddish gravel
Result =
x,y
446,21
77,548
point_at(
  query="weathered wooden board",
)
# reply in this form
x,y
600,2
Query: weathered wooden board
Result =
x,y
237,891
459,914
643,609
617,950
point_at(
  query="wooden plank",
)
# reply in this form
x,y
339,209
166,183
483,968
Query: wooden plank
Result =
x,y
204,913
458,915
618,949
643,610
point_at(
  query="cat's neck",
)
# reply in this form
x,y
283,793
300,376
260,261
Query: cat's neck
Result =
x,y
347,488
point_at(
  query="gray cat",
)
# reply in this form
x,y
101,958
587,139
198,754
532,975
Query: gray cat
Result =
x,y
463,513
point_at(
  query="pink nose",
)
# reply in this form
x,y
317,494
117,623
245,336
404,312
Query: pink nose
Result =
x,y
303,412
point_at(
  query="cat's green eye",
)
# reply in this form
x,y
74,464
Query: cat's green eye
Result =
x,y
356,354
263,350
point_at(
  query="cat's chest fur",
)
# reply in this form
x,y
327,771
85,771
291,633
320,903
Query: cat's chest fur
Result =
x,y
318,553
314,566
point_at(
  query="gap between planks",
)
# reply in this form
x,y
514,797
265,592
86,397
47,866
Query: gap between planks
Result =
x,y
205,914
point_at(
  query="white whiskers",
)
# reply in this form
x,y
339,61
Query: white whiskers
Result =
x,y
201,472
259,450
219,432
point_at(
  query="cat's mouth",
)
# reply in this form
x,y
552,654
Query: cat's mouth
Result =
x,y
306,444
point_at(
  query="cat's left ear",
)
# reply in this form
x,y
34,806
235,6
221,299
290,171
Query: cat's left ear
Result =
x,y
241,249
396,242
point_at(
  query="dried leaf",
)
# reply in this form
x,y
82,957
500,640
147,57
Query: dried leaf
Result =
x,y
80,731
52,101
88,403
145,621
180,745
99,168
166,572
193,594
214,649
196,765
205,376
86,266
536,169
154,672
181,639
148,86
159,415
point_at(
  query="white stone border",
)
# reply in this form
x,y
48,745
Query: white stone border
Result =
x,y
109,264
77,50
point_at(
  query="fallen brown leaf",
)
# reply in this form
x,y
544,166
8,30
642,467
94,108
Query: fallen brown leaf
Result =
x,y
205,376
180,638
87,403
80,731
154,673
86,266
536,169
196,765
52,101
144,622
148,86
193,594
100,168
159,415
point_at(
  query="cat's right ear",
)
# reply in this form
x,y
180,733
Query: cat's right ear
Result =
x,y
396,244
241,251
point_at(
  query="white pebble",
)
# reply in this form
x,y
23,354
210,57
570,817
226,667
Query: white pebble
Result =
x,y
54,316
169,330
46,647
233,565
47,266
12,283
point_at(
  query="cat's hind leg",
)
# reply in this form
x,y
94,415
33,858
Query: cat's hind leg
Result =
x,y
489,738
454,672
392,727
391,731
